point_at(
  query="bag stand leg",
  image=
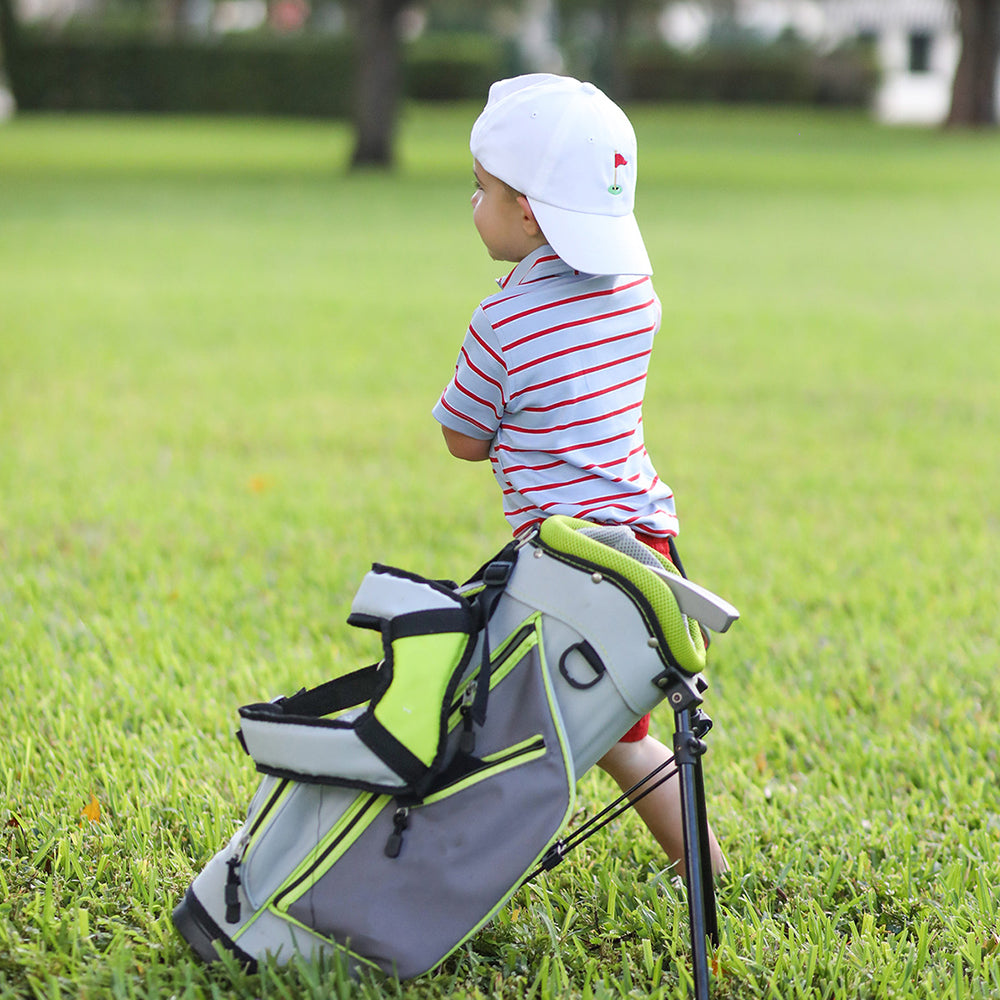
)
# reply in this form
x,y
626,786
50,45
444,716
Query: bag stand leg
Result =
x,y
690,726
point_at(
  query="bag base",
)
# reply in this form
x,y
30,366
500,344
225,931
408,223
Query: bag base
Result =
x,y
201,932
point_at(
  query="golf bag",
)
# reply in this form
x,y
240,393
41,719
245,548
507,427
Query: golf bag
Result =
x,y
403,803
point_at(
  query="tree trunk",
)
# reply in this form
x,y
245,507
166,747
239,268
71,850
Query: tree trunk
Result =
x,y
616,15
378,82
8,42
973,96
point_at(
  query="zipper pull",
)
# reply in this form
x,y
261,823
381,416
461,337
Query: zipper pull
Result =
x,y
467,741
400,821
233,882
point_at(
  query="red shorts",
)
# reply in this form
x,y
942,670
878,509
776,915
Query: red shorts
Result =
x,y
662,545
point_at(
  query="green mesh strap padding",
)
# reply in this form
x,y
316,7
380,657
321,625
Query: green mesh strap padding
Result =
x,y
684,639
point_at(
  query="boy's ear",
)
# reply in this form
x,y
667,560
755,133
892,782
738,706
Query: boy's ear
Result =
x,y
528,221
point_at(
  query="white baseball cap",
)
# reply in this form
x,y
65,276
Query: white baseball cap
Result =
x,y
572,152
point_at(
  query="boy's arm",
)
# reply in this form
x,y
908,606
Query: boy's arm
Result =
x,y
463,446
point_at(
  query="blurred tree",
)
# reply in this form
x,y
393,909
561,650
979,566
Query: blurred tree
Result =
x,y
378,82
610,70
974,88
8,40
619,22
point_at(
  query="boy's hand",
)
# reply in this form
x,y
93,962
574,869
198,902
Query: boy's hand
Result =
x,y
462,446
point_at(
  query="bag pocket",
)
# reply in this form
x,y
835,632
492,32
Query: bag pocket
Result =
x,y
458,857
286,847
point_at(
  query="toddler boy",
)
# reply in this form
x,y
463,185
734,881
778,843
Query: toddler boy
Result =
x,y
550,379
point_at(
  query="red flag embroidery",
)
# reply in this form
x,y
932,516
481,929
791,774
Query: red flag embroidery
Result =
x,y
620,161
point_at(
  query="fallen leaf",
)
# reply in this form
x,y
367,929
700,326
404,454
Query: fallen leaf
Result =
x,y
259,484
92,810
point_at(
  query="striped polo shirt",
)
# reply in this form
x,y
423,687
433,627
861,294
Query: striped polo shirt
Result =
x,y
552,371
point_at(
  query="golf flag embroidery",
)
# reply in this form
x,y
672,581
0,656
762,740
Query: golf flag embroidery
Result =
x,y
620,161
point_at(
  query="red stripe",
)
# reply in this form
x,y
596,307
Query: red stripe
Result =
x,y
562,451
462,416
575,423
534,468
613,506
583,468
506,280
521,510
486,347
527,527
479,399
582,371
589,395
484,376
555,486
541,277
565,302
583,321
583,479
578,347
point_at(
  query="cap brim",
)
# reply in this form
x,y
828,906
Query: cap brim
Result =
x,y
593,244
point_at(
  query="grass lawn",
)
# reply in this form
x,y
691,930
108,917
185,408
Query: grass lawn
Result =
x,y
218,354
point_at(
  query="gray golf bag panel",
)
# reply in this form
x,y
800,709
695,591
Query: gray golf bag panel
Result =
x,y
598,654
462,851
395,874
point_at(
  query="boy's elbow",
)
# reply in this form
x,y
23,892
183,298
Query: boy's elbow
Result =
x,y
463,446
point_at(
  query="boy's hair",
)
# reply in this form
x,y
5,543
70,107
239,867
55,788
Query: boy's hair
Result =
x,y
572,152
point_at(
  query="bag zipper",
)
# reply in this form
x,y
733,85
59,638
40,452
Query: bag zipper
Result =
x,y
328,855
512,646
521,753
233,882
286,896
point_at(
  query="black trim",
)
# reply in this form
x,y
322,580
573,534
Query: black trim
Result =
x,y
634,594
308,707
395,754
259,713
330,781
341,693
431,621
202,933
359,620
441,586
589,654
675,557
511,644
507,554
495,575
266,808
307,874
464,766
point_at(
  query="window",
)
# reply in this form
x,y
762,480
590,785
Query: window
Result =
x,y
920,51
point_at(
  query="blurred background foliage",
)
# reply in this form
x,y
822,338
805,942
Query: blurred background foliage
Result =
x,y
301,57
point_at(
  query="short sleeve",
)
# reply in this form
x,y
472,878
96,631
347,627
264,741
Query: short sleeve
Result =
x,y
473,401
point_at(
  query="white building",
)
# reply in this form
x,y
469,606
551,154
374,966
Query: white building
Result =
x,y
917,42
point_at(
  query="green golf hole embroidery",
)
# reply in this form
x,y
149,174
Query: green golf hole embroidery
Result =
x,y
615,189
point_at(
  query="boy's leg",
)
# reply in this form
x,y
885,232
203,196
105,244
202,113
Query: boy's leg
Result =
x,y
638,753
660,810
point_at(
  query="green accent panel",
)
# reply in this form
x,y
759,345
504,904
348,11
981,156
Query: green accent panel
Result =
x,y
522,753
309,862
684,638
410,709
